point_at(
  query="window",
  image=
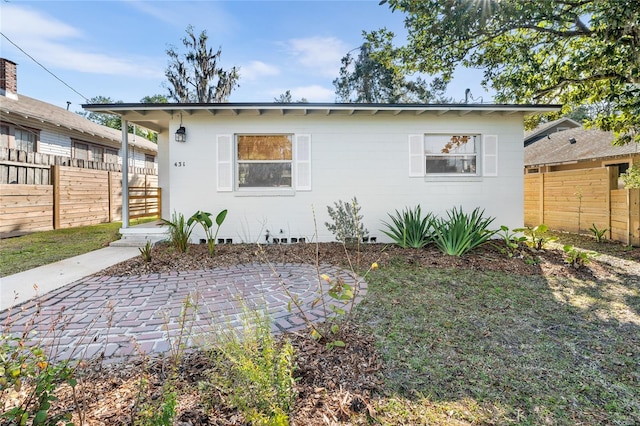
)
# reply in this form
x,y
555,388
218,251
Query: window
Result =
x,y
81,151
268,163
264,161
450,154
25,140
4,136
96,153
111,156
434,155
149,161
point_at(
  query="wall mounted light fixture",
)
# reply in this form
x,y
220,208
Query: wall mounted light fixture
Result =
x,y
181,133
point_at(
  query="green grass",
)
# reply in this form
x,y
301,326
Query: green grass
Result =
x,y
19,254
505,348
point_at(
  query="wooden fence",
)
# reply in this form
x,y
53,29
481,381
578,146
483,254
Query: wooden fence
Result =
x,y
575,200
33,168
75,197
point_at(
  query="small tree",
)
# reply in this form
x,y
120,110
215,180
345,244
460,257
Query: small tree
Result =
x,y
347,221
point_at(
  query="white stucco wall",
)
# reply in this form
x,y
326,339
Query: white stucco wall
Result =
x,y
366,156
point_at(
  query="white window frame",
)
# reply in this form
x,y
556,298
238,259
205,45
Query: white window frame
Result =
x,y
486,154
227,164
238,162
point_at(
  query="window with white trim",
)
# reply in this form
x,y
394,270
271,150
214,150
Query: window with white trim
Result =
x,y
453,155
450,154
264,161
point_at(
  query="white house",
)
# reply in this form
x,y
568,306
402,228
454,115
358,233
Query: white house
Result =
x,y
277,167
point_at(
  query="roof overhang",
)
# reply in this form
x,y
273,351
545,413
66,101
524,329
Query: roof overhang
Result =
x,y
156,117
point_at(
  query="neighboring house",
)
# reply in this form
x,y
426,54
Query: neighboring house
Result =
x,y
545,130
277,167
31,125
579,148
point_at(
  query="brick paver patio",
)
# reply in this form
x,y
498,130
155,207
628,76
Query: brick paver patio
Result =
x,y
117,317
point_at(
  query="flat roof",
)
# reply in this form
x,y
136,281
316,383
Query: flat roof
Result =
x,y
157,116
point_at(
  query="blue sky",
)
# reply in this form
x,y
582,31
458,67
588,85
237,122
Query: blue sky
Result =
x,y
117,48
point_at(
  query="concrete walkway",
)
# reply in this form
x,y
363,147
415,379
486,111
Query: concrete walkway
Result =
x,y
18,288
116,317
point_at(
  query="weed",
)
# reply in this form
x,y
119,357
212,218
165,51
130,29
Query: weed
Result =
x,y
536,236
511,240
145,251
409,228
347,223
577,258
460,232
179,232
254,372
598,233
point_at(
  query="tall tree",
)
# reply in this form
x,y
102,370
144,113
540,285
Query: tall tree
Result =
x,y
154,99
286,98
195,76
366,78
574,52
108,120
115,122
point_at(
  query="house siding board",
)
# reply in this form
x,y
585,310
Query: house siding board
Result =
x,y
54,143
364,156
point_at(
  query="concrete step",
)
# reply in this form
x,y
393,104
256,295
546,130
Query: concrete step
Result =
x,y
137,240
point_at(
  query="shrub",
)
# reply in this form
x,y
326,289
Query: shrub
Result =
x,y
146,251
511,240
22,365
460,232
598,233
409,228
631,177
179,232
204,219
347,222
577,258
536,236
254,372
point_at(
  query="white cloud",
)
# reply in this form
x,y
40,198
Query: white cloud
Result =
x,y
51,42
321,54
257,69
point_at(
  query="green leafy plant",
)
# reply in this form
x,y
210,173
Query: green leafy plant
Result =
x,y
346,222
22,365
145,251
511,240
598,233
577,258
536,236
631,177
409,229
179,231
160,412
204,219
254,372
460,232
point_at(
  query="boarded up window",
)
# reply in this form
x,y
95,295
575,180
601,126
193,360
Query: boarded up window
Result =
x,y
264,161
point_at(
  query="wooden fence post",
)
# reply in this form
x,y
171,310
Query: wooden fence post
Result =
x,y
634,217
613,184
55,181
110,195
